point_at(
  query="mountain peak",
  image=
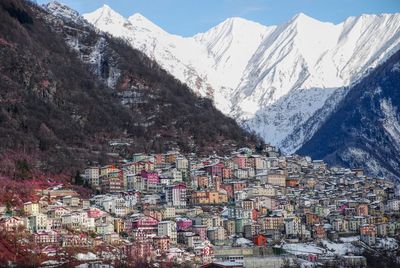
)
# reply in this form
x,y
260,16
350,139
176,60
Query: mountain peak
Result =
x,y
240,22
237,20
106,7
302,18
306,24
301,15
141,21
234,25
64,12
138,16
105,14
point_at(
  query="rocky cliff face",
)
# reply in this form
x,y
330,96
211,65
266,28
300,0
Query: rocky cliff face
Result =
x,y
364,129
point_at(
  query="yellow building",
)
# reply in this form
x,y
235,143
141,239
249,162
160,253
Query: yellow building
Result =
x,y
168,213
229,226
171,157
119,225
209,197
31,208
277,179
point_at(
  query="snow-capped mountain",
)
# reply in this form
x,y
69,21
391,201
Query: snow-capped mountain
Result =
x,y
230,45
174,53
272,79
302,64
211,63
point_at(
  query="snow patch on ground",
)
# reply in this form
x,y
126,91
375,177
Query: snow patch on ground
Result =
x,y
340,249
388,243
349,239
52,263
244,242
86,257
327,248
302,248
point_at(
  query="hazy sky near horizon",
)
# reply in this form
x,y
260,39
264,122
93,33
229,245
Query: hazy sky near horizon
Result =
x,y
188,17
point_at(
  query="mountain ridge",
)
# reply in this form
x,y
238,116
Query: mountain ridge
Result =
x,y
249,74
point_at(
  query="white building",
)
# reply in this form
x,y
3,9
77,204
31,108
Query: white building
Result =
x,y
175,195
167,228
129,180
92,176
394,205
75,220
38,222
181,163
118,207
293,226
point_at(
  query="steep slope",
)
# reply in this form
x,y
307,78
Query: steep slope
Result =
x,y
63,86
364,130
270,79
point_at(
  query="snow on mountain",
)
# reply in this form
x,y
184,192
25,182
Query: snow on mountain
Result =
x,y
182,57
364,128
272,79
211,63
64,12
297,69
231,44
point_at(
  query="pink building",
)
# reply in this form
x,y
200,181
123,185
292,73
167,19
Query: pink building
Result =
x,y
183,224
151,177
141,249
215,170
147,225
342,208
94,213
240,161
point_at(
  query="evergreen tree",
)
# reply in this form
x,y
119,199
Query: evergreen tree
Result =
x,y
78,180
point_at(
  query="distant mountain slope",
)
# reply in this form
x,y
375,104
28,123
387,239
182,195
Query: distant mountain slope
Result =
x,y
66,90
364,130
271,79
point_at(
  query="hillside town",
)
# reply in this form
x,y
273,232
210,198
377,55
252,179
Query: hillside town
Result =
x,y
240,210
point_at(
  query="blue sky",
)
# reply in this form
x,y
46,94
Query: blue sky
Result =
x,y
188,17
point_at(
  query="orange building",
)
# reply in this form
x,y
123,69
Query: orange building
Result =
x,y
226,173
254,214
312,218
290,182
153,213
171,157
319,231
159,159
260,240
203,181
209,197
161,243
362,210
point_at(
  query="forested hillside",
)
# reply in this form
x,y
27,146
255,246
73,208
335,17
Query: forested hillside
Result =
x,y
67,90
